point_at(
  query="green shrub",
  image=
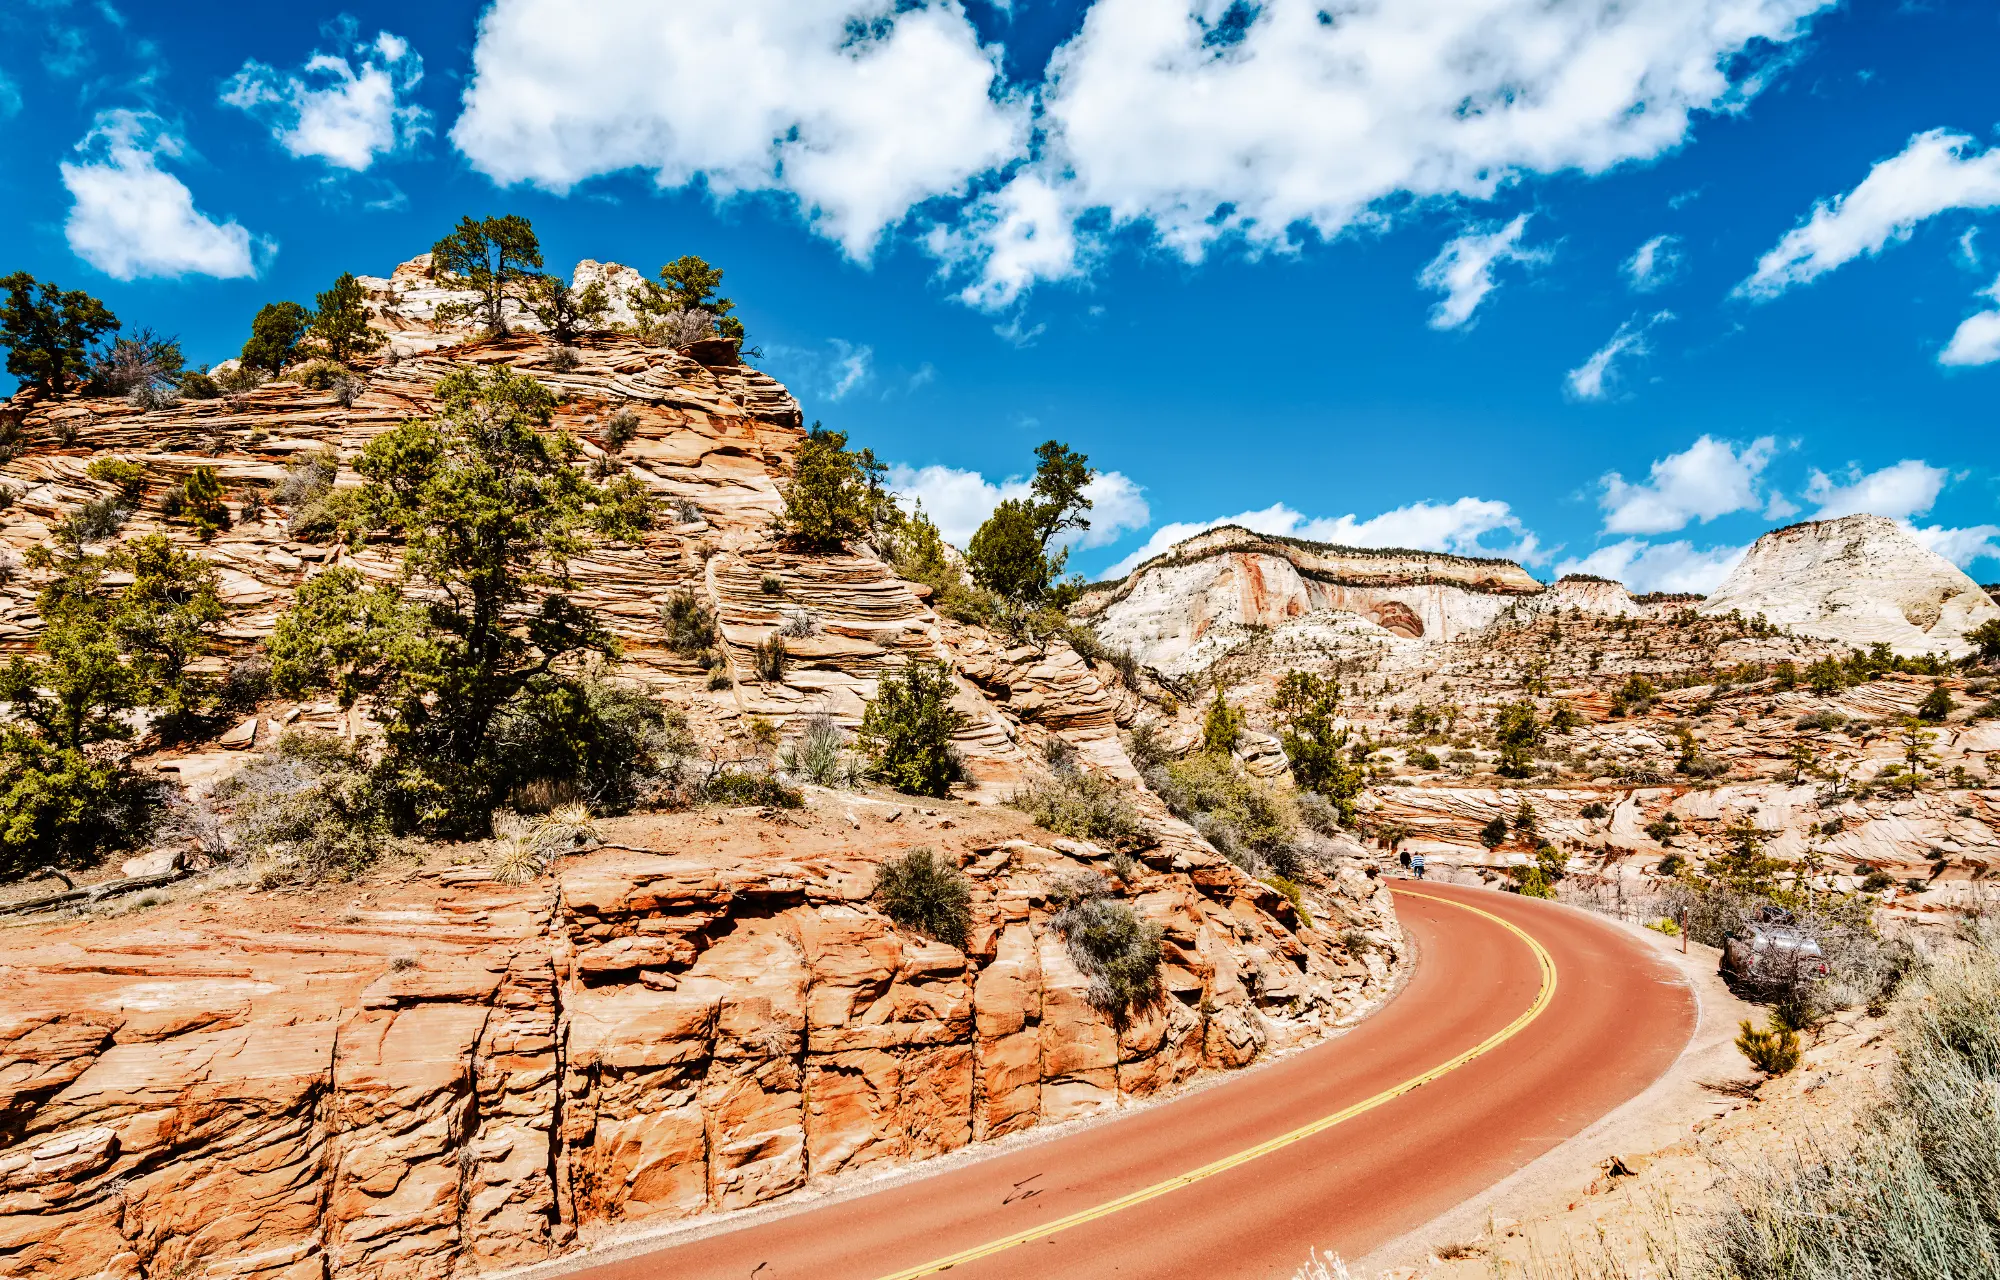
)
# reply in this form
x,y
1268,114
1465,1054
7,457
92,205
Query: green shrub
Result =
x,y
58,807
908,727
922,891
122,474
592,738
733,786
835,495
1221,726
312,806
1773,1051
94,520
1116,950
771,585
1252,823
688,623
201,502
1494,833
1937,705
819,754
1083,806
1145,747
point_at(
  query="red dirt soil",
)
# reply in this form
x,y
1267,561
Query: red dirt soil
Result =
x,y
1619,1017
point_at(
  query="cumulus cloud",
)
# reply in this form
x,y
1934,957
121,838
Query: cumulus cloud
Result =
x,y
861,109
346,107
1909,488
1658,566
1463,269
1709,478
1460,528
959,502
1594,378
1653,263
131,218
1181,118
1937,172
1960,546
1311,117
1976,341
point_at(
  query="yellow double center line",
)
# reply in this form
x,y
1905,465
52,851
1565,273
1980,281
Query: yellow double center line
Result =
x,y
1300,1134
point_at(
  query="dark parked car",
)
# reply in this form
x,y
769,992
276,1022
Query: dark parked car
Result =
x,y
1771,953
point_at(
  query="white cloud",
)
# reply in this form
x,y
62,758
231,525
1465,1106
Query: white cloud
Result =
x,y
1457,527
1463,269
853,367
1320,117
10,96
959,502
1976,341
1909,488
1932,175
1960,546
861,109
1663,566
1709,478
1653,263
1593,379
132,218
346,107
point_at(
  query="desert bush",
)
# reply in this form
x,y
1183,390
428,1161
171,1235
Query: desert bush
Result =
x,y
819,754
1252,823
922,891
1083,806
739,786
1319,813
563,359
1145,747
769,661
320,375
1116,950
311,808
59,806
335,514
592,737
799,624
1908,1193
908,727
122,474
771,585
93,521
307,479
689,624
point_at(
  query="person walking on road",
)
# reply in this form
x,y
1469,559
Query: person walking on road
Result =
x,y
1417,865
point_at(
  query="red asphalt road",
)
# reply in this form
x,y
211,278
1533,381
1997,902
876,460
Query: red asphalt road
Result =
x,y
1620,1016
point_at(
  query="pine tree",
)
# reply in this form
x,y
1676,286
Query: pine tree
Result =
x,y
48,338
339,329
275,334
489,256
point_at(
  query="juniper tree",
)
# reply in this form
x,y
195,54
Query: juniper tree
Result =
x,y
489,256
339,328
48,337
275,334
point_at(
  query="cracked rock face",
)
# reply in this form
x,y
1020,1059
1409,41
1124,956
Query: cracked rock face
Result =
x,y
446,1075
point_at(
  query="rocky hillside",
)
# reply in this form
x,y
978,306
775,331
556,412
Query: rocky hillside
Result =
x,y
431,1072
1860,579
1689,721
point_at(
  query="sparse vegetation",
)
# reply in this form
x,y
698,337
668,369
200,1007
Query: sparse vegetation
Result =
x,y
819,754
1117,950
1081,805
835,495
309,810
922,891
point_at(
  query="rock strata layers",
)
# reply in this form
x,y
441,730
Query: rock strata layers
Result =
x,y
452,1076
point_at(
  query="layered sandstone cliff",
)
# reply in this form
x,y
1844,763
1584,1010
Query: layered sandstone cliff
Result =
x,y
1860,579
435,1074
1181,611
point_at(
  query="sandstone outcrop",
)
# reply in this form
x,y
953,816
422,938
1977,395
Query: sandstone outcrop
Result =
x,y
1181,611
445,1075
1860,579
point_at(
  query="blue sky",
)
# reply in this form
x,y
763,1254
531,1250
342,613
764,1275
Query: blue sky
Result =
x,y
1612,286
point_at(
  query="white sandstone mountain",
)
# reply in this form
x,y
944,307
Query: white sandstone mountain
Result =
x,y
1861,580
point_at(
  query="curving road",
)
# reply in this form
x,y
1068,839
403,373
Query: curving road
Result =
x,y
1505,1041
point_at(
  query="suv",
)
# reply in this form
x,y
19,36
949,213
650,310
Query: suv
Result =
x,y
1770,953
